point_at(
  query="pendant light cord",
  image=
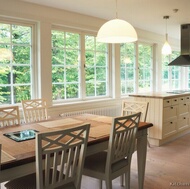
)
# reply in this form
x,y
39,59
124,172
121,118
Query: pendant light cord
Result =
x,y
166,17
116,13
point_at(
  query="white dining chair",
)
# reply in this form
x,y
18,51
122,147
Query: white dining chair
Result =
x,y
59,160
116,160
9,116
34,110
132,106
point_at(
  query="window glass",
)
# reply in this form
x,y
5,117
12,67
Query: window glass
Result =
x,y
96,67
175,70
132,79
170,74
145,67
65,65
15,63
127,66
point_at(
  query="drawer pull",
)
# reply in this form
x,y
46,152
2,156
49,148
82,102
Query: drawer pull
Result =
x,y
175,100
184,104
181,98
168,101
171,122
172,107
184,118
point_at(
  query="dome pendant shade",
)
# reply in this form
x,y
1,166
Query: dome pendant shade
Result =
x,y
116,31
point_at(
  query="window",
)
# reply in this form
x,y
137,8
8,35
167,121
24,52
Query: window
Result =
x,y
96,67
131,79
65,65
145,62
128,59
72,78
15,63
170,74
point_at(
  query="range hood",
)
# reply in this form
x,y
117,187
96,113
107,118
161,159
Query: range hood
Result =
x,y
184,58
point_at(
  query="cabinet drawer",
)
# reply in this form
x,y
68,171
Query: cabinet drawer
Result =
x,y
183,121
169,127
187,99
167,102
170,112
175,101
183,108
182,99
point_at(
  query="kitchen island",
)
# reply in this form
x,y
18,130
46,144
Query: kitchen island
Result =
x,y
169,112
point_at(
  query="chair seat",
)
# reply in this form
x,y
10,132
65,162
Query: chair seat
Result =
x,y
116,160
100,165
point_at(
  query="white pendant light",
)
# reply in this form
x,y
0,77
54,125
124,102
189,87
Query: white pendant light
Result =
x,y
116,31
166,49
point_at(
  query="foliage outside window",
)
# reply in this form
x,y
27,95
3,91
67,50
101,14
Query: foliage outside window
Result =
x,y
145,62
127,59
131,79
96,67
65,65
15,63
67,81
170,74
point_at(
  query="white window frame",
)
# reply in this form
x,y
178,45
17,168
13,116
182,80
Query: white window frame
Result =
x,y
33,67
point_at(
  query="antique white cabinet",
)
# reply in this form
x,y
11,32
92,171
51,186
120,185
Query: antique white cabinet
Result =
x,y
169,115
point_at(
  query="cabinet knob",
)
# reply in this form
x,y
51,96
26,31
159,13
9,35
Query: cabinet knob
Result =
x,y
184,118
171,107
184,104
168,101
171,122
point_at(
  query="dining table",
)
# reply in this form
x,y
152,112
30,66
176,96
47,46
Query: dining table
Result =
x,y
18,156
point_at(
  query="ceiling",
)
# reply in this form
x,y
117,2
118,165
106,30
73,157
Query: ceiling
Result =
x,y
142,14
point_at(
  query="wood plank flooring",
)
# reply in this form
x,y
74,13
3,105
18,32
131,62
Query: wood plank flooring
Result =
x,y
167,167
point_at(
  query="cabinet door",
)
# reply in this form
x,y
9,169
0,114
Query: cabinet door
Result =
x,y
183,121
170,112
183,108
169,127
167,102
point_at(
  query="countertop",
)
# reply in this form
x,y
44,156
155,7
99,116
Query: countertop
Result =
x,y
163,95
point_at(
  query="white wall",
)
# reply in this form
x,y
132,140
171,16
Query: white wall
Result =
x,y
43,18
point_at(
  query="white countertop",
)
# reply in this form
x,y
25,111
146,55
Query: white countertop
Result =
x,y
163,95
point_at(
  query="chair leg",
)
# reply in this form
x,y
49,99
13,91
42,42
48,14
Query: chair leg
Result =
x,y
122,180
108,184
100,184
127,179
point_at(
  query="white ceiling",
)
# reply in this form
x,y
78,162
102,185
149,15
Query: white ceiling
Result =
x,y
143,14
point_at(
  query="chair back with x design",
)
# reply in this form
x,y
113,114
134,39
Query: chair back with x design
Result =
x,y
9,116
63,152
34,110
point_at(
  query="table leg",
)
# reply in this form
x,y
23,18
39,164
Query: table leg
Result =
x,y
141,156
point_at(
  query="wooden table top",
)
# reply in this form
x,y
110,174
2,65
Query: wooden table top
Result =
x,y
18,153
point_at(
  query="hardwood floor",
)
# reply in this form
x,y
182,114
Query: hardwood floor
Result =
x,y
167,167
